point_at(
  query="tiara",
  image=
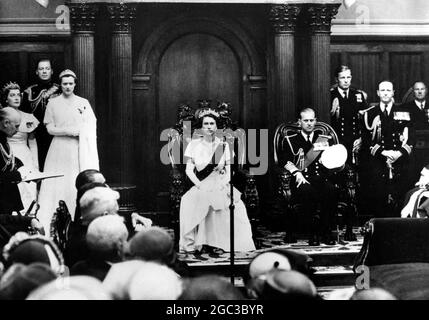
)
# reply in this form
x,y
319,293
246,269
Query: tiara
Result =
x,y
208,111
67,73
10,86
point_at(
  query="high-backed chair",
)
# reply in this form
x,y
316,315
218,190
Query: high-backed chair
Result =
x,y
242,180
345,181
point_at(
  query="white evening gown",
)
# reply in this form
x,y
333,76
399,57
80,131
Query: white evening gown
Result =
x,y
20,145
204,214
66,155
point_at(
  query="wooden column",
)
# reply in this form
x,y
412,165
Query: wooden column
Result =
x,y
319,17
121,17
283,20
82,19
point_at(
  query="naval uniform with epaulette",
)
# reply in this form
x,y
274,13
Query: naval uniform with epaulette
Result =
x,y
320,190
385,182
345,117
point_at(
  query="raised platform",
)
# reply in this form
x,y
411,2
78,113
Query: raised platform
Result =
x,y
333,264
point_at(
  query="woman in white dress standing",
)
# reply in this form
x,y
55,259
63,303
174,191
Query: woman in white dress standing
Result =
x,y
23,143
204,209
71,120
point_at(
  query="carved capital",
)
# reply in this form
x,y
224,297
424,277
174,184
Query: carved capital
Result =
x,y
319,17
82,17
283,17
122,16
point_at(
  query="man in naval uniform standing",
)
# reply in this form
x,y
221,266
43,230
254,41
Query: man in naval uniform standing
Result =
x,y
387,144
419,109
346,102
35,99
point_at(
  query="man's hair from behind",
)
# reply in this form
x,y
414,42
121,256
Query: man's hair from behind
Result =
x,y
99,201
85,177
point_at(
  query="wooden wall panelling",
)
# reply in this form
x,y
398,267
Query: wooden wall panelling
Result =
x,y
372,62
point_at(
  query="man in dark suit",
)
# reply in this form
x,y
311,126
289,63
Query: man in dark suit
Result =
x,y
310,185
419,110
35,99
418,107
387,145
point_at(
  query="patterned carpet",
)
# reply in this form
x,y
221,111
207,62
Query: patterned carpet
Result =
x,y
270,240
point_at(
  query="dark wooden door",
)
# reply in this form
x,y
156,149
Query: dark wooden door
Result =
x,y
195,66
18,60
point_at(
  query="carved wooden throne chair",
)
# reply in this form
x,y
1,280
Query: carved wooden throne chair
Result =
x,y
242,180
345,180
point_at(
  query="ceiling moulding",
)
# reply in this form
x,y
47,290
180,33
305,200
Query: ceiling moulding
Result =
x,y
30,27
382,29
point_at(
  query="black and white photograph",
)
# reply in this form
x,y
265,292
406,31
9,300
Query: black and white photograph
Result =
x,y
219,150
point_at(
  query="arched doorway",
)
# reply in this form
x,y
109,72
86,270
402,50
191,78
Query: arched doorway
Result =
x,y
185,60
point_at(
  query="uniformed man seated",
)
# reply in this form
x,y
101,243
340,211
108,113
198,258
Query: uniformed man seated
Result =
x,y
310,186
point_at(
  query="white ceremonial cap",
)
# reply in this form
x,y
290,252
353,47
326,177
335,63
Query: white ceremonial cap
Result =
x,y
334,156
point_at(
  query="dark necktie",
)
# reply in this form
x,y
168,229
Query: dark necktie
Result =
x,y
345,94
385,111
308,137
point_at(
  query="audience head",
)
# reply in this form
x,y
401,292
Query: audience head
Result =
x,y
10,119
89,176
96,202
154,281
343,76
419,90
286,285
26,249
274,259
372,294
71,288
152,244
118,279
44,69
385,91
106,237
19,280
11,95
210,287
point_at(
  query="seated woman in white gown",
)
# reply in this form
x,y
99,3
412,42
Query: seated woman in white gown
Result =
x,y
70,119
23,143
204,209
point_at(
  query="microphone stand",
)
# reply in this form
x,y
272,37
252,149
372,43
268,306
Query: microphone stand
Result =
x,y
231,213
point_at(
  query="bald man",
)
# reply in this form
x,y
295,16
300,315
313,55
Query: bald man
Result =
x,y
10,199
106,238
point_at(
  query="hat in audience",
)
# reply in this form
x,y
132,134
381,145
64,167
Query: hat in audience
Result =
x,y
282,285
152,244
71,288
26,249
372,294
154,281
210,287
19,280
118,278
